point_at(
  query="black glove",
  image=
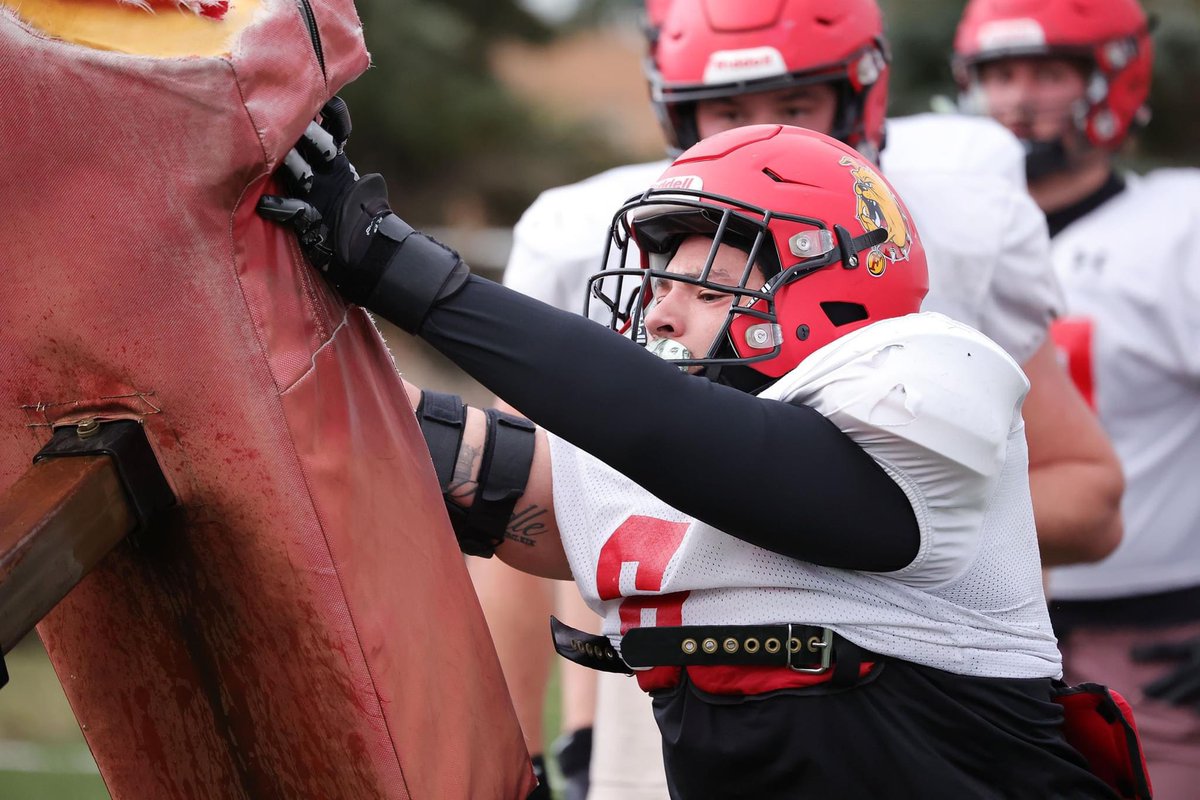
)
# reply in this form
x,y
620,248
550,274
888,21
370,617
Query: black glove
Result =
x,y
1181,686
332,216
348,231
317,192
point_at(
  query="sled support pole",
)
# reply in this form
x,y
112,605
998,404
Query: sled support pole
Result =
x,y
90,487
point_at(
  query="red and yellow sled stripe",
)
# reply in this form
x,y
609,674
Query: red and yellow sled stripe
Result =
x,y
164,31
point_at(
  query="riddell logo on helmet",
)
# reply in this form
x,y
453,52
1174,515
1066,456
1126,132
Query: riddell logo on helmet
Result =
x,y
1004,34
690,182
739,65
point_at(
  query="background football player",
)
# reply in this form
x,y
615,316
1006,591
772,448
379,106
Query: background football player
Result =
x,y
717,64
1071,79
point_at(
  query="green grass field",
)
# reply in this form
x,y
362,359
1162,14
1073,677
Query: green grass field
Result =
x,y
42,752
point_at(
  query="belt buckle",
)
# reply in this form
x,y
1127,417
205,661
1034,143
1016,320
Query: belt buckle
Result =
x,y
826,645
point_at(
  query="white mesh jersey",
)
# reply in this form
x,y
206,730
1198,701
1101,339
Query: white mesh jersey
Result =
x,y
938,406
962,179
1131,273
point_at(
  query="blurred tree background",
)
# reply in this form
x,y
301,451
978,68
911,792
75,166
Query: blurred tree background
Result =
x,y
456,144
461,147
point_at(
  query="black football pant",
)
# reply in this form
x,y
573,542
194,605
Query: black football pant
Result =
x,y
904,731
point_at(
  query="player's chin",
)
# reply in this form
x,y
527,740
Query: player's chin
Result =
x,y
1021,130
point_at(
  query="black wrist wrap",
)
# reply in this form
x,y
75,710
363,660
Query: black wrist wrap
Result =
x,y
442,418
358,284
411,273
385,265
503,476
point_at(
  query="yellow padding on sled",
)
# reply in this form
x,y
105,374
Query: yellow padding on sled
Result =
x,y
111,25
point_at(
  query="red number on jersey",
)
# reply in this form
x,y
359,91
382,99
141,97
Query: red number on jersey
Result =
x,y
1073,338
647,543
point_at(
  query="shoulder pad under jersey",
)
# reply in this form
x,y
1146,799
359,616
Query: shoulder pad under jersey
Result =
x,y
1175,188
923,379
953,143
573,220
1163,205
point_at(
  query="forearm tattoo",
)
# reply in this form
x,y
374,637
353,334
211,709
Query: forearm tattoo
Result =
x,y
463,484
525,524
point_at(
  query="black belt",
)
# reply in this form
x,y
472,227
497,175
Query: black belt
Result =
x,y
803,648
586,649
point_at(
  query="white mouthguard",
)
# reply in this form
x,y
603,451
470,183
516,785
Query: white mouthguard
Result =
x,y
669,350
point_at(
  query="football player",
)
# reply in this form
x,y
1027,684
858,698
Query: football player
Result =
x,y
801,507
717,64
1071,78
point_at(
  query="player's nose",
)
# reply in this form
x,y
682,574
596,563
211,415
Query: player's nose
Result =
x,y
664,319
1020,90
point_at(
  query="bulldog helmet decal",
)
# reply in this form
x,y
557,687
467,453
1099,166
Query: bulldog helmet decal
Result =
x,y
878,208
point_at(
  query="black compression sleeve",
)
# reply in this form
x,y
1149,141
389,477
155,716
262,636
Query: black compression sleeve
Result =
x,y
773,474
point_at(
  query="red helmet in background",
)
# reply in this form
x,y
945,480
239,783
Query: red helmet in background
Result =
x,y
1111,35
836,245
656,12
708,49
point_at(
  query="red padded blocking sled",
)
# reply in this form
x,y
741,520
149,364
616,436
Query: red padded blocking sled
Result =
x,y
306,629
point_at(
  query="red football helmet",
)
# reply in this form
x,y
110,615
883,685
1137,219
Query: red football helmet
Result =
x,y
1110,35
708,49
656,12
836,245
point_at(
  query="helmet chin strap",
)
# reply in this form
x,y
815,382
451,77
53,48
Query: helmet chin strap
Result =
x,y
1044,157
740,377
735,376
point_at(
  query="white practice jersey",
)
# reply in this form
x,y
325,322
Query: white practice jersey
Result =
x,y
938,406
559,241
961,142
1131,274
962,179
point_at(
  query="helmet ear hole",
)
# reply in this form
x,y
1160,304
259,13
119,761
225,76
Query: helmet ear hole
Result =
x,y
842,313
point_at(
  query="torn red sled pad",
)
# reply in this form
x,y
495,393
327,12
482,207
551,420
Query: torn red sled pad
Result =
x,y
303,626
